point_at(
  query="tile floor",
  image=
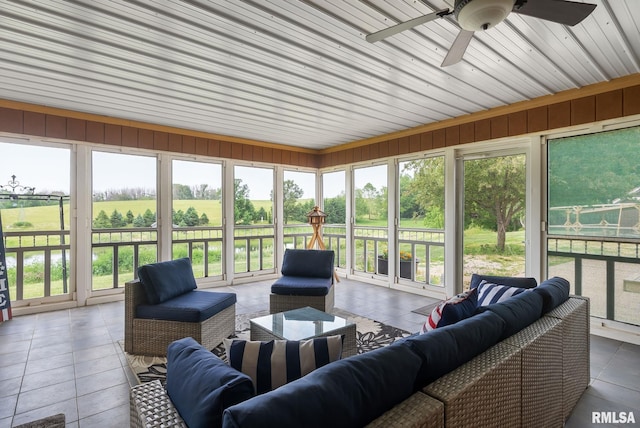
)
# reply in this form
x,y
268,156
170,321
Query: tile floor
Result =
x,y
71,361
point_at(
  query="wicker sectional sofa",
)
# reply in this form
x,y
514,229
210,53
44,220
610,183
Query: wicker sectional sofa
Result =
x,y
533,377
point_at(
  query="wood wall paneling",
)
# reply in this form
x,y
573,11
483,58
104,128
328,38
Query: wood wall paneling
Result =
x,y
11,120
483,130
609,105
426,141
517,123
175,143
537,119
374,151
295,159
285,157
145,139
452,136
403,145
393,147
348,156
631,100
467,133
95,132
189,144
559,115
55,126
76,129
225,149
113,134
583,110
160,141
202,146
365,153
34,123
236,150
213,147
129,136
500,126
277,156
414,143
247,152
257,153
383,149
267,154
439,138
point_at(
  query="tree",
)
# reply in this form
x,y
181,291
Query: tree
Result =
x,y
130,217
138,221
427,187
494,188
149,218
291,193
116,219
204,220
182,192
243,210
336,209
102,221
191,217
370,196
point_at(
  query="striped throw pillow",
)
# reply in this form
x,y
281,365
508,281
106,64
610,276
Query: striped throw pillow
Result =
x,y
489,293
276,362
451,311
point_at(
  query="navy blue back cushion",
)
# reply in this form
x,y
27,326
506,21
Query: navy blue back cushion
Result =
x,y
554,292
309,263
165,280
518,312
511,281
346,393
201,385
445,348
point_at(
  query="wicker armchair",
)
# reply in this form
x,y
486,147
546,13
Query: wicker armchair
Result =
x,y
151,333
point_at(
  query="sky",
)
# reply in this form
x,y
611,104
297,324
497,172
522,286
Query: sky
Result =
x,y
47,169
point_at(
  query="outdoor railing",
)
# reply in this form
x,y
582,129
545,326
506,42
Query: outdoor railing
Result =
x,y
607,270
38,255
254,248
334,237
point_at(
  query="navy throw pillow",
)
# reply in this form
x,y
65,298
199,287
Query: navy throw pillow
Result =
x,y
346,393
309,263
554,292
511,281
445,348
201,385
518,312
166,280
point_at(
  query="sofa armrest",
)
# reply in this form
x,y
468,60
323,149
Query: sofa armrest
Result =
x,y
150,406
417,411
134,295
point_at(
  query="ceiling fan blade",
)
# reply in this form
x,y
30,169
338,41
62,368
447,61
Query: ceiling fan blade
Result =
x,y
458,48
561,11
387,32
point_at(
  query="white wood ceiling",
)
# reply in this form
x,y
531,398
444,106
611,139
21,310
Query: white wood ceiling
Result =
x,y
295,72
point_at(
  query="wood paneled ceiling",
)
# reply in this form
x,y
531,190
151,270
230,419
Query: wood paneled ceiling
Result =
x,y
291,72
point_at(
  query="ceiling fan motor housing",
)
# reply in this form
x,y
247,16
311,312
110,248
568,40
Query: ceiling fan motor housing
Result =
x,y
478,15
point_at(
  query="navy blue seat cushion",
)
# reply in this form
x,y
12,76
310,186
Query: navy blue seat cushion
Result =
x,y
554,292
511,281
301,286
518,312
194,306
201,385
166,280
346,393
445,348
308,263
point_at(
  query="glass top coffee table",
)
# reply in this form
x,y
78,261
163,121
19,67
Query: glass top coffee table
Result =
x,y
304,323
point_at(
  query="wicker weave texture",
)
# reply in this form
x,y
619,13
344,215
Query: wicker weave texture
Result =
x,y
152,337
542,369
151,407
574,319
484,392
349,347
287,302
417,411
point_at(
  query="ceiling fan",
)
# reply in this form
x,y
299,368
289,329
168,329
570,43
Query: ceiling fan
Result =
x,y
478,15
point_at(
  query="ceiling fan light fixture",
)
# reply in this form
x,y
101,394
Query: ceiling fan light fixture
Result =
x,y
478,15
